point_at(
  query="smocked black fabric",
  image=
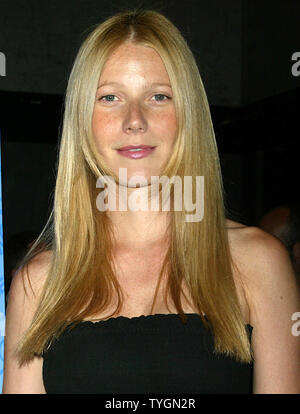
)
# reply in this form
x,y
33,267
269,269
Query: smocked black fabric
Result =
x,y
154,354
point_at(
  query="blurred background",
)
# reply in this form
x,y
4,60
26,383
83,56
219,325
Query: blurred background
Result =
x,y
244,50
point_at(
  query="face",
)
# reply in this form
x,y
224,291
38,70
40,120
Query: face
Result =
x,y
134,108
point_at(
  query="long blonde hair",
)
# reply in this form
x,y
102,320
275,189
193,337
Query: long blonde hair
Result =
x,y
81,279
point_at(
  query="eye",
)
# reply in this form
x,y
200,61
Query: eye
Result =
x,y
107,98
159,97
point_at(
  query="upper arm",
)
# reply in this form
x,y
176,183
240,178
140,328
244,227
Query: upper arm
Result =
x,y
22,302
273,298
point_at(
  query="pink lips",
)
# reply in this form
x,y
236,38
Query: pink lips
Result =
x,y
136,151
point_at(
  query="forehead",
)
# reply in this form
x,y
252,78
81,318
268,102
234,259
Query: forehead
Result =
x,y
129,50
134,59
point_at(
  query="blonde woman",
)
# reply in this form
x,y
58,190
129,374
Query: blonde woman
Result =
x,y
143,300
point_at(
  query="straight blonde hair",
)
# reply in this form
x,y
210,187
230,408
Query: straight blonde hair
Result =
x,y
81,279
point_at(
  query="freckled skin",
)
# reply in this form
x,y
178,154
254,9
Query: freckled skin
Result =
x,y
135,110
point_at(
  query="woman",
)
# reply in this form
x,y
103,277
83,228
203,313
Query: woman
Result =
x,y
126,301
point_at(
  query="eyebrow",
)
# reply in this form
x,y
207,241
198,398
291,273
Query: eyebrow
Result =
x,y
120,84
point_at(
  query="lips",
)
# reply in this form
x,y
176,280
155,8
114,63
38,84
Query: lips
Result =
x,y
136,151
132,147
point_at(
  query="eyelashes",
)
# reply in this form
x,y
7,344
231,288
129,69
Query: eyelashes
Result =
x,y
162,95
110,98
107,96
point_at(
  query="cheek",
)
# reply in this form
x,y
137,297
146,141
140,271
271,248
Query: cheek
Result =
x,y
102,127
168,127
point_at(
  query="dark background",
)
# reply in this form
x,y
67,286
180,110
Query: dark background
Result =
x,y
243,49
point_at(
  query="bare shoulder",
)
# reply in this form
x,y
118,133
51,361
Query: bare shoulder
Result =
x,y
273,297
253,246
25,289
265,268
242,240
32,275
241,233
262,260
240,236
254,251
39,265
256,240
23,299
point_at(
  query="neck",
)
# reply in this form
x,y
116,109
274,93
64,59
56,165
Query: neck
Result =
x,y
138,225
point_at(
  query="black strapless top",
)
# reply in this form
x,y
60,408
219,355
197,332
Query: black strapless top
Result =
x,y
154,354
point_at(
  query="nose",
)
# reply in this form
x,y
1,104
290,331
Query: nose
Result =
x,y
135,121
